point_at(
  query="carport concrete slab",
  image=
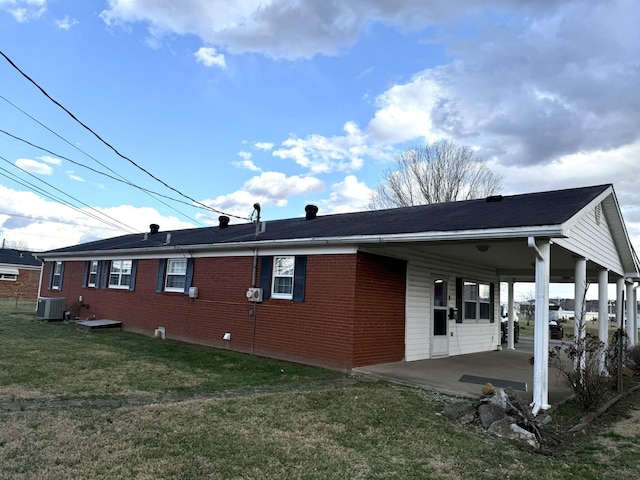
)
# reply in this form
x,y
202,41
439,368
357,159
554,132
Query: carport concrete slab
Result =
x,y
514,367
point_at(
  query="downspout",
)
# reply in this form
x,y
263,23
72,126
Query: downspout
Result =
x,y
541,332
254,275
40,283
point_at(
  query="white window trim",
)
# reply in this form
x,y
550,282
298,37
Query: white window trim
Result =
x,y
57,272
120,274
478,303
166,275
274,294
89,284
8,277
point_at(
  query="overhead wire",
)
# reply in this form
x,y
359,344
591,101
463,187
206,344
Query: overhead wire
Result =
x,y
112,221
75,224
126,182
121,178
124,157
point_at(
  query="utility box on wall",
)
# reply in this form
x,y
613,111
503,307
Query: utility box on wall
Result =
x,y
254,294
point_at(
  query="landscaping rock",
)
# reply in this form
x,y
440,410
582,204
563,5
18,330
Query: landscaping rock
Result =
x,y
462,412
488,389
505,428
490,414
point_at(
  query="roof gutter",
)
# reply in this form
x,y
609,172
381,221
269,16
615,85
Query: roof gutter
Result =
x,y
460,235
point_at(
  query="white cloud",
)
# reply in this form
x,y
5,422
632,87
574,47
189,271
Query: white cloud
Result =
x,y
289,29
209,57
247,165
24,10
245,155
349,195
72,176
33,166
322,154
50,160
66,23
268,189
267,146
45,225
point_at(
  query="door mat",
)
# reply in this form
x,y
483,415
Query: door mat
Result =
x,y
496,382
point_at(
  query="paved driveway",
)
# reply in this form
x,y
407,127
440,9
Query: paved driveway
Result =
x,y
464,375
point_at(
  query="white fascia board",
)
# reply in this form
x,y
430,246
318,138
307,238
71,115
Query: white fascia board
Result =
x,y
322,245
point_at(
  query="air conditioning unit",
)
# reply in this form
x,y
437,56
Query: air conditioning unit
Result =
x,y
51,308
254,294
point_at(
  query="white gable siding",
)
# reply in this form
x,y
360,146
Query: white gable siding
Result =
x,y
593,240
463,337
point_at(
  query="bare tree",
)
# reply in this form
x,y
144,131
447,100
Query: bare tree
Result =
x,y
435,173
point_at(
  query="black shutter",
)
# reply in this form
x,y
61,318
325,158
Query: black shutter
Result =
x,y
106,270
98,272
265,276
189,276
459,293
61,275
299,274
51,271
162,263
134,270
85,273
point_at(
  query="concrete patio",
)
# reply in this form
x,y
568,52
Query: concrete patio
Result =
x,y
501,368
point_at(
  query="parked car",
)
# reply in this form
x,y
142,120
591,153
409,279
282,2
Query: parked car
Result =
x,y
504,326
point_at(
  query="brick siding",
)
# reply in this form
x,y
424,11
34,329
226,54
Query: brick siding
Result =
x,y
318,331
25,286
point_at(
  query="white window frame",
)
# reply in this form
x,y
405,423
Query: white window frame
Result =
x,y
281,286
173,273
124,272
93,270
57,276
477,294
9,277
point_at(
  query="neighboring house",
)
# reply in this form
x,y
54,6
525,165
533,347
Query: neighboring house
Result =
x,y
345,290
19,274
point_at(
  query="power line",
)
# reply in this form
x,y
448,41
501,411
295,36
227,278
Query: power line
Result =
x,y
124,157
123,179
41,219
61,200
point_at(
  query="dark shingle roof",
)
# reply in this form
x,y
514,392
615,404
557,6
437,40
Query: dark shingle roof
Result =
x,y
525,210
11,256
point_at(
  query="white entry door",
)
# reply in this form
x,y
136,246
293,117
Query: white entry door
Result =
x,y
439,321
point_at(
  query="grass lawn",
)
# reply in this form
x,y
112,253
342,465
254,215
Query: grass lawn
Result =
x,y
342,431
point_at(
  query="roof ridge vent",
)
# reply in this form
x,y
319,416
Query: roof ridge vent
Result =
x,y
223,221
494,198
154,228
311,211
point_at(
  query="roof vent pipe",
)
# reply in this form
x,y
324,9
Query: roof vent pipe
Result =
x,y
154,228
311,211
168,240
223,221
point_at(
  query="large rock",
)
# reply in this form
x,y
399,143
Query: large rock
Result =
x,y
461,412
505,428
490,414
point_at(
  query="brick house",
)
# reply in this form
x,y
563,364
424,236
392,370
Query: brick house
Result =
x,y
345,290
19,274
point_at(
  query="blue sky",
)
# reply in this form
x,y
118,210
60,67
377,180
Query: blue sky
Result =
x,y
288,102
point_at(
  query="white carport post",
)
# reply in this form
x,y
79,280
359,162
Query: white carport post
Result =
x,y
631,324
620,302
510,338
603,314
580,289
541,331
635,312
